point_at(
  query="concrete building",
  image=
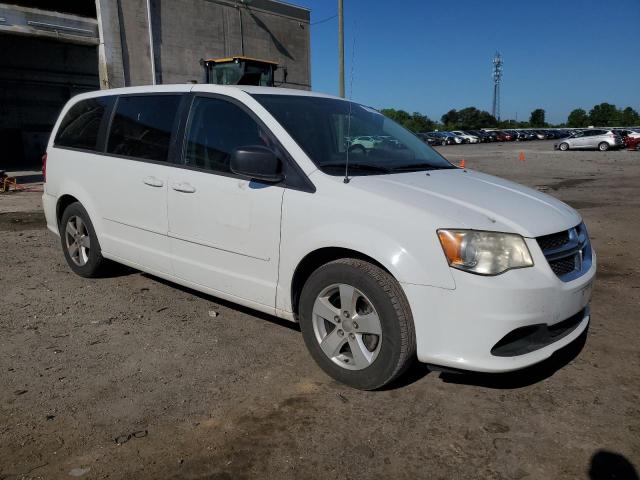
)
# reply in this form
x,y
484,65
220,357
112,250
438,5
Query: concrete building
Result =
x,y
47,56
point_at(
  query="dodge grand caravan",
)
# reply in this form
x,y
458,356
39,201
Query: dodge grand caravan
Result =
x,y
255,195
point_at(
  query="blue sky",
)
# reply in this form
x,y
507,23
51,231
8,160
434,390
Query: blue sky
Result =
x,y
430,56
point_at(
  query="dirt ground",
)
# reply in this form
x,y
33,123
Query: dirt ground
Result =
x,y
132,377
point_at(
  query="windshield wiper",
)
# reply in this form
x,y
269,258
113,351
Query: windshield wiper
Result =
x,y
358,166
409,167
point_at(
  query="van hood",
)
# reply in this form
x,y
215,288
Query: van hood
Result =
x,y
474,200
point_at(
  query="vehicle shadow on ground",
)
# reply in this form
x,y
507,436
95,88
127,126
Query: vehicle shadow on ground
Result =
x,y
417,371
224,303
115,270
607,465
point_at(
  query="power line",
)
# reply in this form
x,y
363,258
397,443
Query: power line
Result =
x,y
324,20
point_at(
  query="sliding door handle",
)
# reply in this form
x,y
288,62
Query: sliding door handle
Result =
x,y
153,182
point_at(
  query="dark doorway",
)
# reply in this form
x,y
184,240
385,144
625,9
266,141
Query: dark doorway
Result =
x,y
84,8
37,77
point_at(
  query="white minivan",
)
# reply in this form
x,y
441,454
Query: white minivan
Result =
x,y
383,255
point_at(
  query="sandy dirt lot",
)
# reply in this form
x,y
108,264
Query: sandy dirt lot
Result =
x,y
132,377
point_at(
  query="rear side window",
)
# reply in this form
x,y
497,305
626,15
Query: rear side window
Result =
x,y
142,126
80,126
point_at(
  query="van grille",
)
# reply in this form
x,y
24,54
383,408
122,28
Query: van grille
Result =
x,y
555,240
563,266
568,252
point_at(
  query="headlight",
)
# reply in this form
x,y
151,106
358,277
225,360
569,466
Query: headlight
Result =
x,y
484,253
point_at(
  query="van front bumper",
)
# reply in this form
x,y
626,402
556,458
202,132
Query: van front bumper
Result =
x,y
501,323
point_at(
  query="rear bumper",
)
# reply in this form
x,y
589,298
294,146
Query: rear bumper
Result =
x,y
524,309
49,206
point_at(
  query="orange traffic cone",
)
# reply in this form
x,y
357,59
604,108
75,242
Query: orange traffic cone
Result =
x,y
521,157
462,163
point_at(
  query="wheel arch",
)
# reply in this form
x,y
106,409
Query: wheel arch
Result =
x,y
61,205
76,193
315,259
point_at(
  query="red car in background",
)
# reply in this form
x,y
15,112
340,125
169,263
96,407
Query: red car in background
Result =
x,y
632,143
503,136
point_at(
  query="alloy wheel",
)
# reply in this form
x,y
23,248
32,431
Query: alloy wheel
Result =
x,y
347,326
77,240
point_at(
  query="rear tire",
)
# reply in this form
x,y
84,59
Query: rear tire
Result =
x,y
365,355
603,146
80,242
564,146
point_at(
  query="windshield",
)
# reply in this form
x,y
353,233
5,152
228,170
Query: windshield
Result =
x,y
329,129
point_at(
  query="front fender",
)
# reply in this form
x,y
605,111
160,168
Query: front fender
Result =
x,y
411,258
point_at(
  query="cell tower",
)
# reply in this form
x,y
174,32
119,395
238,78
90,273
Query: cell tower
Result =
x,y
497,78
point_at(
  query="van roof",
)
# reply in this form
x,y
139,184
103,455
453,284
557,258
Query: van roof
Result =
x,y
205,87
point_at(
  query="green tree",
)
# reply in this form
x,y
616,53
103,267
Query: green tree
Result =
x,y
450,119
471,118
419,123
485,119
399,116
604,115
510,123
537,119
629,117
415,122
578,118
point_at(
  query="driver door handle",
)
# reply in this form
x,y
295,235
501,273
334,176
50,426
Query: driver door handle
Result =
x,y
183,187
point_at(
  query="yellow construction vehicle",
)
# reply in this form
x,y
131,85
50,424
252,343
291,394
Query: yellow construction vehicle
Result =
x,y
239,70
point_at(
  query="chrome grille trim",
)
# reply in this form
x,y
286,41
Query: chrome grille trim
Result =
x,y
571,258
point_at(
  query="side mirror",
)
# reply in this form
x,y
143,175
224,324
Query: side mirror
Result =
x,y
256,163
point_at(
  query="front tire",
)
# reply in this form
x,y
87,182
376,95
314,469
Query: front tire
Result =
x,y
564,146
357,324
603,146
80,242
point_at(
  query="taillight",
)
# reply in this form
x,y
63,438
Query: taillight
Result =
x,y
44,166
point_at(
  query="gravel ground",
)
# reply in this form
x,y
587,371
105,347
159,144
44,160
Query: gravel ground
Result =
x,y
130,376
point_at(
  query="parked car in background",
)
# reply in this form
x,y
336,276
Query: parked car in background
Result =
x,y
447,138
455,138
244,193
519,135
481,134
591,139
632,143
367,142
502,136
466,137
541,134
624,132
437,138
493,135
430,139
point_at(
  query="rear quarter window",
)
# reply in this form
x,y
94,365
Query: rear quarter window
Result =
x,y
80,127
142,126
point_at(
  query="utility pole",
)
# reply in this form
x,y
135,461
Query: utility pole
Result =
x,y
151,48
341,47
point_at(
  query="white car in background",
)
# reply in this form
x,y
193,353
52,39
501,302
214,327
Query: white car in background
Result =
x,y
467,138
383,256
590,139
366,141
